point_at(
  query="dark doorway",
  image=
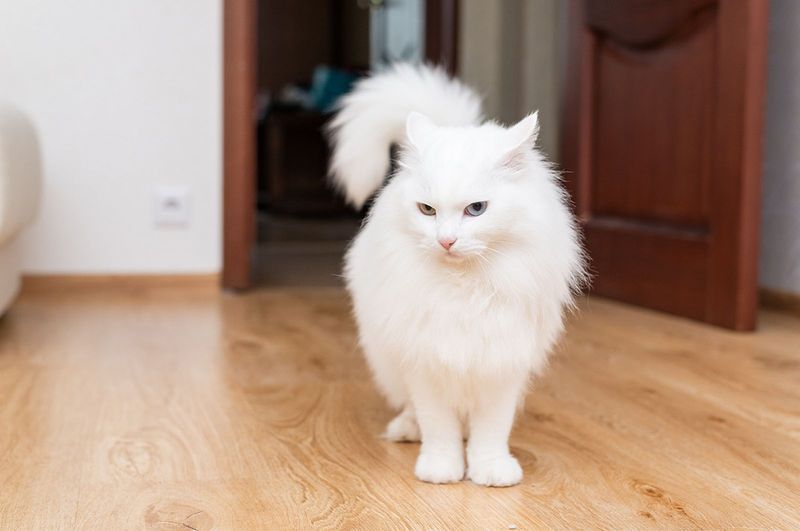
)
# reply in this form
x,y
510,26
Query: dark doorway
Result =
x,y
282,223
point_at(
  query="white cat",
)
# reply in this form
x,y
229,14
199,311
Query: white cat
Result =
x,y
462,271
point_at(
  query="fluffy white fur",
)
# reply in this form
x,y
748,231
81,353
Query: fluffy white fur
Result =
x,y
452,336
373,117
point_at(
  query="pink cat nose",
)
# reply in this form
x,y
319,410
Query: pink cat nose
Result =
x,y
446,243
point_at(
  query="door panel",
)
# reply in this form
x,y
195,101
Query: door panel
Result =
x,y
662,134
664,175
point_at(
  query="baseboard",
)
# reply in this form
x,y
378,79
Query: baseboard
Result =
x,y
779,300
35,282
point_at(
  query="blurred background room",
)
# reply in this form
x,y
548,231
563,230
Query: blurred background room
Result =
x,y
139,125
175,345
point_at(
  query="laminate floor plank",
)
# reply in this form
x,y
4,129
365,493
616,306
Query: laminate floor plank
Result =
x,y
136,406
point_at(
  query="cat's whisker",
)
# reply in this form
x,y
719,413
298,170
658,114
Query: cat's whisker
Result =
x,y
496,251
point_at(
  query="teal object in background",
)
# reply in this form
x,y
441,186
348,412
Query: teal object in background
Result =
x,y
328,85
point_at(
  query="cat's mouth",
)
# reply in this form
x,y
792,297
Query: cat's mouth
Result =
x,y
454,256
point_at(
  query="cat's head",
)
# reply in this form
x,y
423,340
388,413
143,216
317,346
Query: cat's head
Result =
x,y
470,192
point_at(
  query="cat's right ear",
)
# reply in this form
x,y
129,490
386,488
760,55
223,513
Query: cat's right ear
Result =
x,y
418,128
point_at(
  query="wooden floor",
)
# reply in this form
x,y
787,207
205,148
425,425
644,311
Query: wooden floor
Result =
x,y
130,407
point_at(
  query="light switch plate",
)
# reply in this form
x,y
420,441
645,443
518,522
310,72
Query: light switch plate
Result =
x,y
171,205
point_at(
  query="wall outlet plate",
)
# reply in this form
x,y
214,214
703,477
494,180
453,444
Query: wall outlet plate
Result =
x,y
171,205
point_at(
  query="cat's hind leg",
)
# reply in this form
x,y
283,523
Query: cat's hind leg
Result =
x,y
404,427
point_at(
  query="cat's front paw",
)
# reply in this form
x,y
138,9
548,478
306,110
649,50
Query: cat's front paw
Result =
x,y
439,468
502,471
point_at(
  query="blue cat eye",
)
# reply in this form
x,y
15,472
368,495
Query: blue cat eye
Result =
x,y
475,209
426,209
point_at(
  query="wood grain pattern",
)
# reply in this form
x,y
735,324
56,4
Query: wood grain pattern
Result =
x,y
641,23
662,147
178,407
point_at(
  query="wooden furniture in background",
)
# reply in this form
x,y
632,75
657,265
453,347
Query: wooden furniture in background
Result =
x,y
241,78
662,146
292,153
293,37
295,163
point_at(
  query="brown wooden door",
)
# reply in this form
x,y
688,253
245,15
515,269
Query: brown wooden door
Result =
x,y
662,148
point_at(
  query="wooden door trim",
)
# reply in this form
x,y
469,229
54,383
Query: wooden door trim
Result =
x,y
441,33
239,166
733,288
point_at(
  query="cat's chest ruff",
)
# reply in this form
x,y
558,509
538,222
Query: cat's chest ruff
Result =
x,y
465,303
467,331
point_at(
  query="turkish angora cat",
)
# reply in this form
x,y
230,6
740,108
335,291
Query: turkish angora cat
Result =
x,y
462,272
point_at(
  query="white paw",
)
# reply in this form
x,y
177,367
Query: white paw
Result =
x,y
439,468
403,427
501,471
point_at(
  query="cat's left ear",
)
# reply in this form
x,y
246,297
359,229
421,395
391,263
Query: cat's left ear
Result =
x,y
522,138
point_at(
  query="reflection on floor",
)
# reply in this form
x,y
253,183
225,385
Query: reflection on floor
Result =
x,y
303,252
157,407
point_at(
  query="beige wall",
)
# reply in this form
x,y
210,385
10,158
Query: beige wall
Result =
x,y
780,229
509,51
479,51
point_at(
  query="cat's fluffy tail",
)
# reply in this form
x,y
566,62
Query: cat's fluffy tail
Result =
x,y
373,116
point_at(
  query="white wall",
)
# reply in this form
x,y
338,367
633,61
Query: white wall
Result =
x,y
780,241
125,94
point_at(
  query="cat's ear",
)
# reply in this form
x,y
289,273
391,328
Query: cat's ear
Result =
x,y
521,139
418,128
526,131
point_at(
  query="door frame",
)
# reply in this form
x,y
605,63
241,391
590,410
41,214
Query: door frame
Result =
x,y
240,68
441,33
239,141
